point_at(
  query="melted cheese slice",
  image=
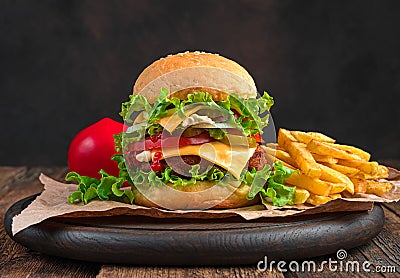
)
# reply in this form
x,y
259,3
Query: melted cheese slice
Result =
x,y
231,158
170,123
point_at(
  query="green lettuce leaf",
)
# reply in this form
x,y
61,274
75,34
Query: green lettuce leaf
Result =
x,y
250,110
257,179
123,172
270,184
135,103
216,133
118,141
106,188
212,173
279,194
154,129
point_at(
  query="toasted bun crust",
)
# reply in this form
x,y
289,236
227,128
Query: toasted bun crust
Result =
x,y
186,72
164,198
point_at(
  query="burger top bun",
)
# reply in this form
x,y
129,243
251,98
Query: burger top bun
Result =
x,y
187,72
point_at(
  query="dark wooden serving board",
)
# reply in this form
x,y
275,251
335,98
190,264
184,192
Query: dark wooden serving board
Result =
x,y
231,241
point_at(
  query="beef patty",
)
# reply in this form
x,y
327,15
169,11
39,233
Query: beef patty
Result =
x,y
259,159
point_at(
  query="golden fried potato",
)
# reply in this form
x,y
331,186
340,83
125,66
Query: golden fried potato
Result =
x,y
299,153
326,169
365,176
331,175
306,137
285,164
323,148
383,172
282,155
313,185
378,188
325,158
371,187
370,168
360,185
352,150
272,145
301,196
348,171
318,200
321,137
335,196
337,188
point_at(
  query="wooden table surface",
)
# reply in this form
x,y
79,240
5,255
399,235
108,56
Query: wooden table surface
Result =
x,y
383,252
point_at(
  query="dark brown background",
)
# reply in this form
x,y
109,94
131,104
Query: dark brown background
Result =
x,y
332,66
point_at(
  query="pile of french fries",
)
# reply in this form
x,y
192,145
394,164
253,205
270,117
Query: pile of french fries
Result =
x,y
327,170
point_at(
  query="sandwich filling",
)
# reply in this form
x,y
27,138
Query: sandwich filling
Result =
x,y
182,141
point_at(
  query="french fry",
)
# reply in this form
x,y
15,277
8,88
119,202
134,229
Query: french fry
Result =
x,y
327,169
325,158
299,153
272,145
335,196
313,185
370,168
383,172
360,185
285,164
338,188
285,157
269,150
336,177
353,150
306,137
318,200
378,188
321,137
348,171
282,155
365,176
361,175
323,148
301,196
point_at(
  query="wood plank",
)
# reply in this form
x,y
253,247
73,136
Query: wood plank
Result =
x,y
8,176
26,184
392,219
16,260
150,272
393,207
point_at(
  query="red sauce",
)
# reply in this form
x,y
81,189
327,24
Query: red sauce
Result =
x,y
156,165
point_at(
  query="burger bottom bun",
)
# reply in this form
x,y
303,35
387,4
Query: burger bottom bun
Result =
x,y
199,196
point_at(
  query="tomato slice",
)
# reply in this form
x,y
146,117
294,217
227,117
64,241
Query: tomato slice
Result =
x,y
258,138
158,142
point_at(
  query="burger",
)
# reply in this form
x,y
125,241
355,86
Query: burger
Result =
x,y
193,138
